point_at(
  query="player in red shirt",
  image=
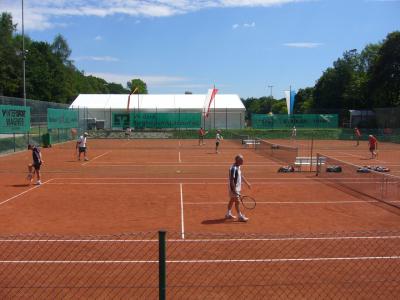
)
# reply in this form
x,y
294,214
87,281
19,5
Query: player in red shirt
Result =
x,y
357,135
373,146
202,133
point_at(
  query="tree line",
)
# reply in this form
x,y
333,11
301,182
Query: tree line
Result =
x,y
50,74
358,80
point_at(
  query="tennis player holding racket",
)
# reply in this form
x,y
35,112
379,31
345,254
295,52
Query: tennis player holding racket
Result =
x,y
235,185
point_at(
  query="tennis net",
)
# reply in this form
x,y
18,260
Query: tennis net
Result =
x,y
276,152
380,186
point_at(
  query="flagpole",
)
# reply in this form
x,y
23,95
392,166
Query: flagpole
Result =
x,y
215,126
290,98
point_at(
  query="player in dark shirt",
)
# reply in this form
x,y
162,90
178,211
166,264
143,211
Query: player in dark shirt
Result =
x,y
34,167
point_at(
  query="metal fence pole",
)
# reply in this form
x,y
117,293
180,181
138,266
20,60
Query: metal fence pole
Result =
x,y
162,265
14,140
226,118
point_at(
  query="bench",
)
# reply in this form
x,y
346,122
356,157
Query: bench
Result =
x,y
308,161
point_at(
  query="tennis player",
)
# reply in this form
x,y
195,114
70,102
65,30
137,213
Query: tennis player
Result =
x,y
294,132
218,139
34,167
357,135
202,133
81,146
235,186
373,146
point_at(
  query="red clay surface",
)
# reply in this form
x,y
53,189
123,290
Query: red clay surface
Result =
x,y
147,185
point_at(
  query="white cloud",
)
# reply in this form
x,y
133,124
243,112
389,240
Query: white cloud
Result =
x,y
244,25
42,14
96,58
253,24
151,80
303,45
98,38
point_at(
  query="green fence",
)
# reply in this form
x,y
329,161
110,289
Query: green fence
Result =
x,y
24,122
143,120
14,119
260,121
62,118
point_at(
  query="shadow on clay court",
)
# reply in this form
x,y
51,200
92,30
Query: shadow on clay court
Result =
x,y
20,185
218,221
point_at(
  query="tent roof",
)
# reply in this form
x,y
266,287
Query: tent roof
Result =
x,y
191,101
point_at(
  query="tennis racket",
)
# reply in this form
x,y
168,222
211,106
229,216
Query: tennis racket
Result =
x,y
248,202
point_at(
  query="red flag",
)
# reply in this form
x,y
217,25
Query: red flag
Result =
x,y
212,94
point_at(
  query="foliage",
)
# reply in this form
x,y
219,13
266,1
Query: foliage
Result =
x,y
50,74
138,84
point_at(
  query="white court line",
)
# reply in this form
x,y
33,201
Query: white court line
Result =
x,y
171,165
202,261
24,192
95,158
297,202
179,157
182,219
288,239
359,156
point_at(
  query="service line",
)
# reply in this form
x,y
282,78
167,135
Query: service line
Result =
x,y
96,158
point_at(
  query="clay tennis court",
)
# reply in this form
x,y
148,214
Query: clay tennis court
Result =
x,y
133,186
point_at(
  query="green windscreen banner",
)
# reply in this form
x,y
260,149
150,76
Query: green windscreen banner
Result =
x,y
281,121
165,120
120,120
62,118
14,119
156,120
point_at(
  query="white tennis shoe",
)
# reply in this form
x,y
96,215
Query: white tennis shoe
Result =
x,y
243,218
230,216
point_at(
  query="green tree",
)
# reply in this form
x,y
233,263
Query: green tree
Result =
x,y
304,100
279,106
10,63
61,49
137,83
384,79
116,88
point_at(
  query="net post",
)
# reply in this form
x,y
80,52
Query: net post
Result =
x,y
311,150
162,264
317,171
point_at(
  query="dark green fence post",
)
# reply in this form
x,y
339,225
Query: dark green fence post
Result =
x,y
162,274
14,141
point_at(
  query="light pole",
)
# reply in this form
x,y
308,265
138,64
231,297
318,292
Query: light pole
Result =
x,y
270,87
23,53
270,99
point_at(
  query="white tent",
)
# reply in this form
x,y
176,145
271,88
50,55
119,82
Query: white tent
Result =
x,y
227,110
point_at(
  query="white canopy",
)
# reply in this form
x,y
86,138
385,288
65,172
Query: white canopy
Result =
x,y
182,101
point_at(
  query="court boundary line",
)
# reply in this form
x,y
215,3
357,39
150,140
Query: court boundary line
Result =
x,y
363,157
203,261
24,192
299,202
204,178
182,216
290,239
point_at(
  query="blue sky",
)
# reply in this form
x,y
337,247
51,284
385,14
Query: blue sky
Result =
x,y
184,45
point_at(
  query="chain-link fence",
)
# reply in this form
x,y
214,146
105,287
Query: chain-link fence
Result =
x,y
37,131
357,265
